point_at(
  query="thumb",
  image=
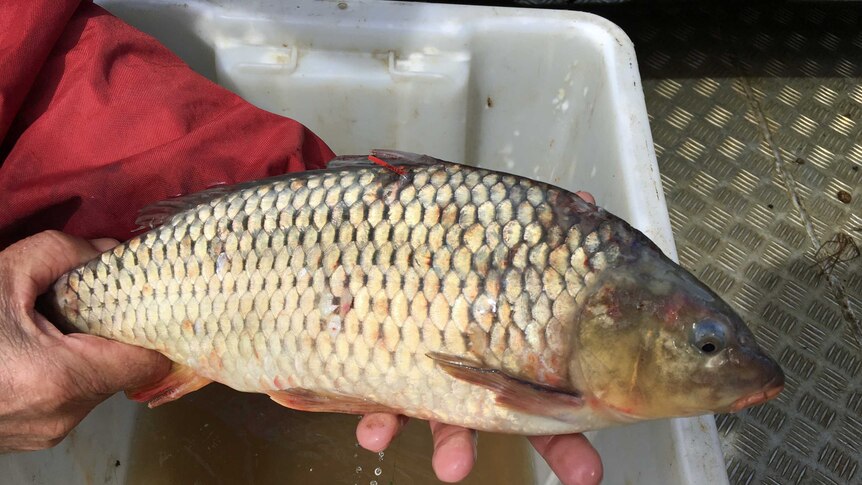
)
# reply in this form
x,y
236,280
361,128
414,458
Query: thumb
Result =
x,y
104,367
35,263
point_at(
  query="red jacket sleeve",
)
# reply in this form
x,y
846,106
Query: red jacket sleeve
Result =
x,y
97,120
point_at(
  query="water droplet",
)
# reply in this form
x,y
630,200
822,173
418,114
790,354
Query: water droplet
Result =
x,y
358,469
372,482
377,472
380,454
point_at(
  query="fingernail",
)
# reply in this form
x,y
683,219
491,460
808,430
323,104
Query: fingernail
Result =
x,y
103,244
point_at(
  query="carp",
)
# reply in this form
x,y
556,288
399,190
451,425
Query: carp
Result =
x,y
400,283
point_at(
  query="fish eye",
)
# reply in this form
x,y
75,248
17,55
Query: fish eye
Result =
x,y
709,336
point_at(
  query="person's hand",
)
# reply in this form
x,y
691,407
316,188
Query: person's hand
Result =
x,y
51,381
572,458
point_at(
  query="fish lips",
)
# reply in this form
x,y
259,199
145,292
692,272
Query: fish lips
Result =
x,y
769,391
772,382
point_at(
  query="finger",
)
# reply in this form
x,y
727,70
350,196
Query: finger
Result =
x,y
95,361
36,262
375,431
103,244
14,444
47,328
586,196
454,451
572,458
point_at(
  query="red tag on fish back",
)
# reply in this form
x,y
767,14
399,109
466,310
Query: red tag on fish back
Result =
x,y
387,166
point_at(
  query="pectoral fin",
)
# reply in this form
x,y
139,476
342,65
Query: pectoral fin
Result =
x,y
512,392
179,382
305,400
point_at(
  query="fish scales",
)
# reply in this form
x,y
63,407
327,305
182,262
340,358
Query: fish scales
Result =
x,y
360,283
362,276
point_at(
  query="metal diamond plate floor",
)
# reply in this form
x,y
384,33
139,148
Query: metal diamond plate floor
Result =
x,y
710,73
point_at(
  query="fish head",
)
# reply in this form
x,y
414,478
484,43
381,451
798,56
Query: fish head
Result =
x,y
652,341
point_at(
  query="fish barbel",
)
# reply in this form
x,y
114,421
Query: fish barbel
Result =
x,y
419,287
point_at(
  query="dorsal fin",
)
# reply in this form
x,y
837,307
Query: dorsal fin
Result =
x,y
397,157
392,158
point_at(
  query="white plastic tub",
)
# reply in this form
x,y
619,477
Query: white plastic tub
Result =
x,y
548,94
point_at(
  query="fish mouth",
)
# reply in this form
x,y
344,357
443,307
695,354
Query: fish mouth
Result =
x,y
771,389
